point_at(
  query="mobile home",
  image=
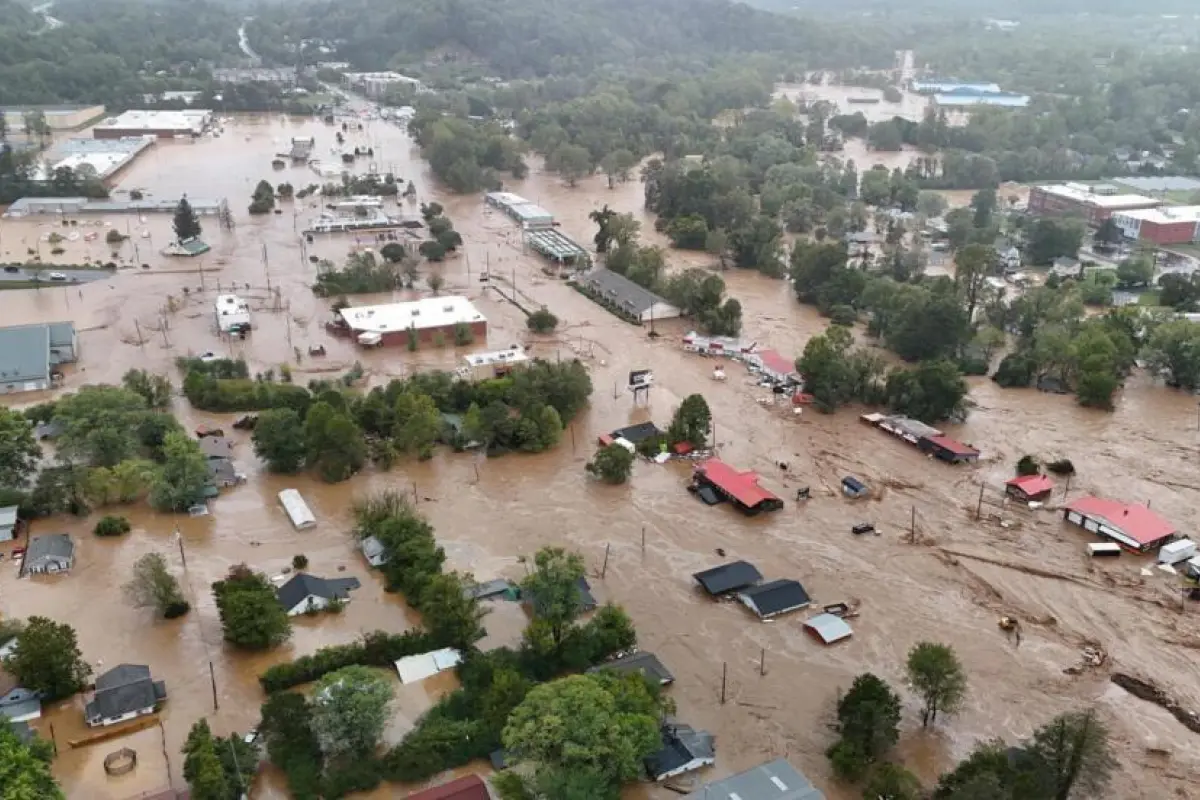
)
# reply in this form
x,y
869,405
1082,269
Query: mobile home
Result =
x,y
297,510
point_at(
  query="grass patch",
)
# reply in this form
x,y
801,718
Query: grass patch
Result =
x,y
1149,299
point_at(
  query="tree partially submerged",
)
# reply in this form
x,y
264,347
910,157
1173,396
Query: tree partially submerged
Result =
x,y
868,725
350,710
251,616
938,678
47,659
612,464
153,586
185,223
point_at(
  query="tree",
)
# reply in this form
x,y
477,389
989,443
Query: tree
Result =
x,y
938,678
153,586
933,391
393,252
983,203
112,526
689,232
201,766
186,223
716,243
691,422
1051,238
1174,352
263,199
994,771
868,726
452,617
25,774
570,161
1136,271
47,659
541,321
154,389
19,450
100,424
1073,749
1108,233
251,616
418,424
973,264
931,204
892,782
616,165
554,589
279,440
335,444
612,464
432,250
602,724
436,281
1180,292
180,482
350,710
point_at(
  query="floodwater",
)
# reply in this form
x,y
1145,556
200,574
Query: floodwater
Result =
x,y
951,585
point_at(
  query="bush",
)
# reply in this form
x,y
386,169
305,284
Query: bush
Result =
x,y
177,609
299,561
843,315
541,321
114,236
112,526
612,464
241,394
463,335
1061,467
378,649
1016,370
1028,465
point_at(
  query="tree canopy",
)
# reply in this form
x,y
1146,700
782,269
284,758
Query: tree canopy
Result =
x,y
47,659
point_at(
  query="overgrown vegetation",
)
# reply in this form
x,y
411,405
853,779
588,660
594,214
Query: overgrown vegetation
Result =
x,y
251,616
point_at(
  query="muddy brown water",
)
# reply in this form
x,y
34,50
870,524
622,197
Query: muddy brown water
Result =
x,y
950,586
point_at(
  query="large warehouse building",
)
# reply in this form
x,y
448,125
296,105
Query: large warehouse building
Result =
x,y
1167,225
1094,203
163,124
429,318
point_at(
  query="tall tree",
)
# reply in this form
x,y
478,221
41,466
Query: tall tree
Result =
x,y
691,422
279,440
251,616
554,589
938,678
972,265
19,450
452,616
868,726
25,768
47,659
186,223
201,766
153,586
350,710
1074,750
336,448
181,481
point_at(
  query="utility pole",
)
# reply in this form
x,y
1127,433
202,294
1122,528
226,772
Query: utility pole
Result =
x,y
912,527
182,555
979,504
212,676
138,328
604,569
724,675
762,661
266,265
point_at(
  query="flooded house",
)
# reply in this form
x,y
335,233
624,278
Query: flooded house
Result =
x,y
8,523
774,366
777,597
468,787
684,750
1029,488
429,320
728,578
31,354
740,488
305,594
946,449
49,553
774,780
124,692
232,313
21,704
1133,526
641,662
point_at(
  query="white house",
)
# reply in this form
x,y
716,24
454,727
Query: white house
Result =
x,y
49,553
124,692
307,594
233,313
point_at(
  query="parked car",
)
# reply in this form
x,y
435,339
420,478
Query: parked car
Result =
x,y
12,268
57,276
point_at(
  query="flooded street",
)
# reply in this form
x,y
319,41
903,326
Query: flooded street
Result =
x,y
951,585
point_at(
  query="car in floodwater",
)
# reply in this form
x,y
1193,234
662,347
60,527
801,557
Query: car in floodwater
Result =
x,y
57,276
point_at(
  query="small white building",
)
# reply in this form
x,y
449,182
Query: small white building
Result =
x,y
233,313
374,551
417,668
297,510
8,523
496,364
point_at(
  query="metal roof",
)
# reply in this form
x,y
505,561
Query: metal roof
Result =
x,y
554,244
642,662
776,597
774,780
728,577
8,516
25,353
620,290
303,585
48,545
829,628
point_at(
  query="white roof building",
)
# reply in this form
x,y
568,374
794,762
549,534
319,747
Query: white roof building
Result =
x,y
417,668
132,123
232,312
428,312
1082,193
297,510
494,364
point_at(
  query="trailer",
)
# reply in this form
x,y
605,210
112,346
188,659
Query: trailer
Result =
x,y
1174,552
1103,549
297,510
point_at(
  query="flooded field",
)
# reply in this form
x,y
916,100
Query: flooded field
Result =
x,y
950,585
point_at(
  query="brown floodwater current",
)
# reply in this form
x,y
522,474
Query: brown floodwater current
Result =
x,y
951,585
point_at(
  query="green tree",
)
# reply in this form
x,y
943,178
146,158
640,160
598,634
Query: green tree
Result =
x,y
617,164
251,616
716,243
983,204
604,725
335,444
418,424
25,771
1174,352
570,161
279,440
993,771
452,617
868,726
184,473
933,391
154,389
938,678
892,782
612,464
541,321
100,425
1135,272
1074,751
186,224
19,450
1108,233
350,710
1050,238
691,422
973,265
153,586
554,589
931,204
688,233
47,659
201,766
263,199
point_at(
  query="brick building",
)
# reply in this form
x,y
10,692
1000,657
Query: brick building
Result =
x,y
427,319
1094,203
1160,226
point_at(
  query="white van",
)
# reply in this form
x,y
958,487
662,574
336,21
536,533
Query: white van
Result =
x,y
1176,551
1103,549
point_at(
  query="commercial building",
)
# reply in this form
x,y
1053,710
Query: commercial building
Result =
x,y
163,124
1161,226
625,298
284,75
58,118
553,244
951,86
481,366
105,158
426,319
741,488
946,449
374,84
1094,203
774,780
29,355
530,215
967,98
72,206
1133,526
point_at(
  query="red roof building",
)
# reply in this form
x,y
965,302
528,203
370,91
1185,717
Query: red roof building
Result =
x,y
740,487
1134,526
775,365
1027,488
470,787
948,449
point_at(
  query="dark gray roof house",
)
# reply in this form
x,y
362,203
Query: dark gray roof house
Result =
x,y
625,297
685,749
222,472
774,780
777,597
645,663
587,601
28,354
216,447
306,592
50,552
21,704
124,692
728,577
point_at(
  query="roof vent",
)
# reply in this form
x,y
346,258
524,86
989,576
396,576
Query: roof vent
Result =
x,y
448,308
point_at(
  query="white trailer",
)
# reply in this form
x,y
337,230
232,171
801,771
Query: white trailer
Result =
x,y
1176,551
1099,549
297,510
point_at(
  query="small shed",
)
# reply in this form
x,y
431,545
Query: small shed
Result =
x,y
1029,488
297,510
829,628
728,577
413,669
8,523
774,598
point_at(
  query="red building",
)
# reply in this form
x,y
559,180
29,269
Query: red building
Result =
x,y
1161,226
1077,199
1029,488
741,488
1132,526
947,449
470,787
430,320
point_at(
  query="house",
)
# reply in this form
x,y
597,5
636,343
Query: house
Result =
x,y
49,553
469,787
829,628
1029,488
587,601
774,598
21,705
728,577
774,780
646,664
1133,526
495,588
306,593
373,551
740,487
124,692
222,472
1008,256
947,449
216,447
625,298
1065,267
684,749
8,523
636,434
413,669
29,355
297,510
